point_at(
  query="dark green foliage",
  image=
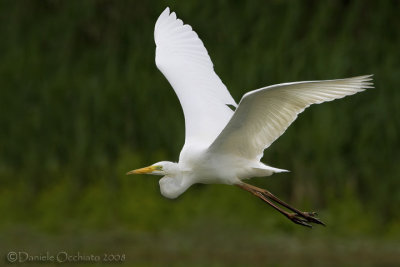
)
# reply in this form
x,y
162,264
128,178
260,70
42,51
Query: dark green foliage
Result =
x,y
82,102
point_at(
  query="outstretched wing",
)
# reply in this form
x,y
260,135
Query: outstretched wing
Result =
x,y
184,61
264,114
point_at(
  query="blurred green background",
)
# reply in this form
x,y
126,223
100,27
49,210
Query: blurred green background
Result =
x,y
82,103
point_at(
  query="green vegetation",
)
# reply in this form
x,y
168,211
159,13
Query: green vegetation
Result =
x,y
82,102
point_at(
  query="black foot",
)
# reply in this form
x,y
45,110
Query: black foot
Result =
x,y
305,218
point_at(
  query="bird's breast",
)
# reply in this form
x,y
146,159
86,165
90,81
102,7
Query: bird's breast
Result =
x,y
210,169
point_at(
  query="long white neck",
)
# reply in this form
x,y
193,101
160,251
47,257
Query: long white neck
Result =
x,y
173,183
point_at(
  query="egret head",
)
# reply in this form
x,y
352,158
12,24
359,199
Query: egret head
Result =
x,y
172,184
159,168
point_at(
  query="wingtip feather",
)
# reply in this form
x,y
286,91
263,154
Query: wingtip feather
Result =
x,y
165,12
173,15
367,81
162,17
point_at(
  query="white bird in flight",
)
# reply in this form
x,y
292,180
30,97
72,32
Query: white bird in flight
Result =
x,y
224,146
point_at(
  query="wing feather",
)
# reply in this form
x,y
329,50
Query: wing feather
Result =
x,y
264,114
184,61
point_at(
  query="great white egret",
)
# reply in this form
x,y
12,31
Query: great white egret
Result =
x,y
224,146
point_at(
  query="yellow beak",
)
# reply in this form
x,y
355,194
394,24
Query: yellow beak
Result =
x,y
144,170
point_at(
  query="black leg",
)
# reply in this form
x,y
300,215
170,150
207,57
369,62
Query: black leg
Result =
x,y
298,217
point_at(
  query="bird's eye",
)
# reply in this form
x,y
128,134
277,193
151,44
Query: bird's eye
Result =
x,y
158,168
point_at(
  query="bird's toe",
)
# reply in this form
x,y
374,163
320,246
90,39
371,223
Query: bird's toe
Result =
x,y
311,217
